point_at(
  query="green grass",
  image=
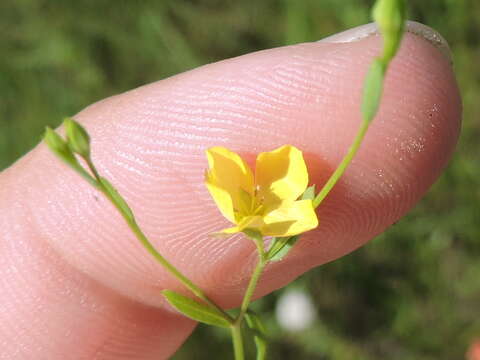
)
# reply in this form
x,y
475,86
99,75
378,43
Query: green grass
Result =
x,y
412,293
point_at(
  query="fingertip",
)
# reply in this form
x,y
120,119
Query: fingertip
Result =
x,y
406,148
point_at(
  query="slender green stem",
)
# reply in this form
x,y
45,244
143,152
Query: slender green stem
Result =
x,y
173,270
83,173
92,168
251,288
237,340
252,284
390,17
151,249
343,165
257,272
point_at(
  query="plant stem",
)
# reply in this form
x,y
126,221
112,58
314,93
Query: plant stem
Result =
x,y
343,165
262,261
386,14
237,341
252,284
151,249
251,287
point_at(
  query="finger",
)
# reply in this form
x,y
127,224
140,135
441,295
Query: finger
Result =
x,y
150,143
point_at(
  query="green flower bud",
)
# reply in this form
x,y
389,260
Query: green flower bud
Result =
x,y
77,138
59,146
390,15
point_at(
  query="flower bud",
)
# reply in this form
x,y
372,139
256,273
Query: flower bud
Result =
x,y
59,146
77,138
390,17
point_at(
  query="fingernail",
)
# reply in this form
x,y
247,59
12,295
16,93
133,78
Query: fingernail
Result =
x,y
413,27
352,35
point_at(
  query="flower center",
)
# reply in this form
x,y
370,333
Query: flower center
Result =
x,y
248,205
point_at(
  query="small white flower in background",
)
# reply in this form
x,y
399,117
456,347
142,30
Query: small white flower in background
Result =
x,y
295,310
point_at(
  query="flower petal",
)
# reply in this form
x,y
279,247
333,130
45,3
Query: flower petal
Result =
x,y
221,197
251,222
281,175
228,172
290,218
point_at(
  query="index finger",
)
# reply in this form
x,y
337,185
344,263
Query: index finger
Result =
x,y
149,142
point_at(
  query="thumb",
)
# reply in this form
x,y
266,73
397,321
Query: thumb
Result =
x,y
79,258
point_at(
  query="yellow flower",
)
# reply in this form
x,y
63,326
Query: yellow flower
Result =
x,y
267,202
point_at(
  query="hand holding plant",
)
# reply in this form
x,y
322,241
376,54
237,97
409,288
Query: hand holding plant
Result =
x,y
274,204
199,302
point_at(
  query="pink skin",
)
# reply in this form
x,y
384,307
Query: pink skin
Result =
x,y
474,351
76,284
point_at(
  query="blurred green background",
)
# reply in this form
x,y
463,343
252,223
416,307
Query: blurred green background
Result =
x,y
412,293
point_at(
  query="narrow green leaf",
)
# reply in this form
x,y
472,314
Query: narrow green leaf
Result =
x,y
372,91
309,193
117,198
281,246
260,334
195,310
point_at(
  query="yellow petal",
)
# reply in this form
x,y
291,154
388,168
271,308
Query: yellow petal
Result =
x,y
221,197
251,222
231,174
290,218
280,175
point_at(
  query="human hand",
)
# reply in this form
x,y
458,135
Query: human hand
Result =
x,y
75,282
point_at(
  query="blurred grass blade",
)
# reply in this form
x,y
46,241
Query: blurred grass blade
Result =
x,y
254,323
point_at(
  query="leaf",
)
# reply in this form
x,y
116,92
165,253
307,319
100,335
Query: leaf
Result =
x,y
195,310
373,90
281,246
260,335
117,198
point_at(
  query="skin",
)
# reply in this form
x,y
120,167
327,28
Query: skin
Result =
x,y
76,284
